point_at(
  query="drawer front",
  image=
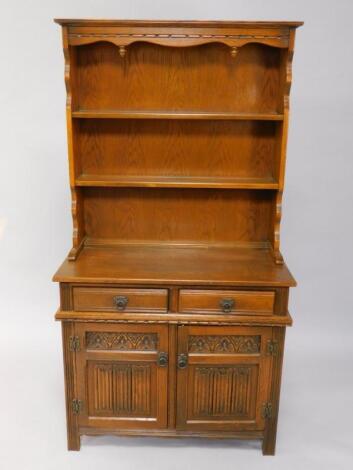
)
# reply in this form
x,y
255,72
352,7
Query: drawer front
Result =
x,y
120,300
226,302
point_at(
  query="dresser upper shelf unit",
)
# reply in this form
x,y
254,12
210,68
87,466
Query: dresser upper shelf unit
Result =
x,y
177,130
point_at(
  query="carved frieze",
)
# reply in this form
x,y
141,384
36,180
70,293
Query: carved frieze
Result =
x,y
224,344
176,36
122,341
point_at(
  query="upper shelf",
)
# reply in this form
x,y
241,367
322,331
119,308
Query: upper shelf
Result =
x,y
130,114
176,182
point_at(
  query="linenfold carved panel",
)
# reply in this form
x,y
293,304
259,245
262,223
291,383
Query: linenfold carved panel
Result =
x,y
223,391
122,341
225,344
121,389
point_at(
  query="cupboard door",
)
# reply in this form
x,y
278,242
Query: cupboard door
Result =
x,y
222,378
122,375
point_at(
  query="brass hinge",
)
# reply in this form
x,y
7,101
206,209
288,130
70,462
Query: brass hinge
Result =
x,y
272,347
267,410
76,406
74,343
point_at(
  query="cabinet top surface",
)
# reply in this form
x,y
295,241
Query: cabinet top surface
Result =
x,y
175,23
189,265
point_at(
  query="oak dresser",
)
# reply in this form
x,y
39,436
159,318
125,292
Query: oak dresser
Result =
x,y
173,298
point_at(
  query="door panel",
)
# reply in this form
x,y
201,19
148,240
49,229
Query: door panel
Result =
x,y
220,392
122,382
224,383
121,389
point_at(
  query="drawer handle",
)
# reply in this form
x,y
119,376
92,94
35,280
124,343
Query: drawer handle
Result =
x,y
120,301
182,361
227,305
162,359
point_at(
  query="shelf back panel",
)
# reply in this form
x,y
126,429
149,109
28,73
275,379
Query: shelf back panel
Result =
x,y
154,77
244,149
178,215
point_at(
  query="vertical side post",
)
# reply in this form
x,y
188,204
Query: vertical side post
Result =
x,y
76,198
73,436
269,440
282,136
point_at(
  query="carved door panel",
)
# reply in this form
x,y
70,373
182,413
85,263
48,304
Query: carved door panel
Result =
x,y
223,377
122,375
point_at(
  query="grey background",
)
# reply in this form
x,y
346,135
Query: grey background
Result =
x,y
316,415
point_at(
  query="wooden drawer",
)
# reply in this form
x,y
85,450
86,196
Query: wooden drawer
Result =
x,y
111,299
226,302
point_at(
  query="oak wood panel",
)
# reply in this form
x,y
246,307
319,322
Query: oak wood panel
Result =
x,y
202,215
76,204
163,264
210,398
178,78
242,149
281,153
120,389
103,299
223,385
120,382
209,301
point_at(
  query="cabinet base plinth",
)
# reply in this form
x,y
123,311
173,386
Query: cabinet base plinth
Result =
x,y
172,433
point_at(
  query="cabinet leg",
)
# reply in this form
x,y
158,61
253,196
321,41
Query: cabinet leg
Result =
x,y
73,440
269,440
73,436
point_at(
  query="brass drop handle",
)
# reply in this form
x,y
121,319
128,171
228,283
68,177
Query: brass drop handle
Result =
x,y
182,361
162,360
227,305
120,301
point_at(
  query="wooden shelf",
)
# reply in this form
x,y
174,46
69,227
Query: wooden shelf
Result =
x,y
123,114
175,264
113,181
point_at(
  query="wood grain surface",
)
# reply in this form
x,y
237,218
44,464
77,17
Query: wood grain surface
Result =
x,y
177,136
